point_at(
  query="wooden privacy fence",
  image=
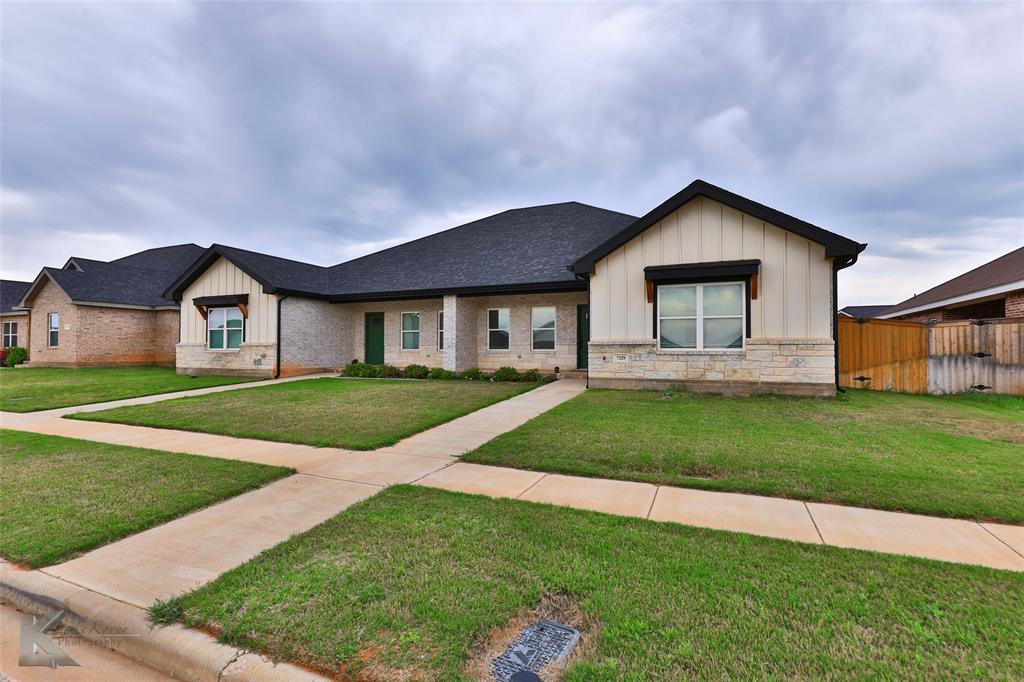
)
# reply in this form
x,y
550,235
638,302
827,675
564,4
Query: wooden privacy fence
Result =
x,y
947,357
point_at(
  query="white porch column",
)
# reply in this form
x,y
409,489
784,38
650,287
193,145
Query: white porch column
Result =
x,y
459,333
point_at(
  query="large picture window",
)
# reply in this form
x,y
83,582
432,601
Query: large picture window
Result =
x,y
410,331
225,328
53,329
497,329
440,330
701,316
10,334
543,324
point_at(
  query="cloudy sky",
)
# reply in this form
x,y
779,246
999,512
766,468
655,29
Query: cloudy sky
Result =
x,y
325,131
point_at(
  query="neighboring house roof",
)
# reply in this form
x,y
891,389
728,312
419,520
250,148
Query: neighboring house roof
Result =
x,y
1001,275
526,249
864,311
11,293
138,280
835,245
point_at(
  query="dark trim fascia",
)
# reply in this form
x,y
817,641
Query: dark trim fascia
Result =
x,y
175,291
489,290
226,300
699,271
838,265
835,245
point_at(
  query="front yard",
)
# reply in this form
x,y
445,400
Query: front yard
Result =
x,y
417,583
45,388
958,456
62,496
358,414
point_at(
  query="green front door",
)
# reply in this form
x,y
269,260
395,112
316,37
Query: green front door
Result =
x,y
374,350
582,335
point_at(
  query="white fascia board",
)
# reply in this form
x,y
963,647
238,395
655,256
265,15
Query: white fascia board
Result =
x,y
981,293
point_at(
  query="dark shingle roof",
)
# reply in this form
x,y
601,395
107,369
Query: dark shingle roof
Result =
x,y
865,311
1003,270
139,279
11,293
520,246
516,248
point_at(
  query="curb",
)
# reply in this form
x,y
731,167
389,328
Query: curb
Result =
x,y
172,649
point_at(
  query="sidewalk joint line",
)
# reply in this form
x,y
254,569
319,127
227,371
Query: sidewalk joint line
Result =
x,y
657,489
1008,545
815,524
431,473
340,480
529,487
88,589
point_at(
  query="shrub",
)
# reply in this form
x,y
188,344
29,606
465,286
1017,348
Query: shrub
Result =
x,y
441,373
505,374
472,374
15,356
415,371
360,369
530,375
389,372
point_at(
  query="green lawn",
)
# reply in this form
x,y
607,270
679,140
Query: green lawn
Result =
x,y
62,496
960,456
359,414
416,583
44,388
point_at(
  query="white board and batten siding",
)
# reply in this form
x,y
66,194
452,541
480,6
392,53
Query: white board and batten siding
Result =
x,y
220,279
795,281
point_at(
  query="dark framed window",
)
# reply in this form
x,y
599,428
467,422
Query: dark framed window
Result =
x,y
440,330
10,334
53,329
498,329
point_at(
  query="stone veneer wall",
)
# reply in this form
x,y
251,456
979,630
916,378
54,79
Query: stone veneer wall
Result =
x,y
252,359
768,365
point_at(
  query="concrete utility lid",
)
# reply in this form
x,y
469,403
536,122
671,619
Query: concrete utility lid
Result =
x,y
537,646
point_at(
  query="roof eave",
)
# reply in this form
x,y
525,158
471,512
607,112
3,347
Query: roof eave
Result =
x,y
835,245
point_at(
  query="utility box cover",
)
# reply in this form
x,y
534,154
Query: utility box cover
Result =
x,y
537,646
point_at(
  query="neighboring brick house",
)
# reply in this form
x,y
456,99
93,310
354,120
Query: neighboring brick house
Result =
x,y
709,290
992,290
96,313
15,322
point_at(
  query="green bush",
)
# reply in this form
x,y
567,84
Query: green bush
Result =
x,y
441,373
361,369
530,375
15,356
472,374
415,371
505,374
389,372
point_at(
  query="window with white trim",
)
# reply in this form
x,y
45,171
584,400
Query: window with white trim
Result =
x,y
10,334
701,316
543,326
225,328
410,331
498,329
53,329
440,330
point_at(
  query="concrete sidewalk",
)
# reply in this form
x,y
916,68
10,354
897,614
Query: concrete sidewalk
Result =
x,y
957,540
188,552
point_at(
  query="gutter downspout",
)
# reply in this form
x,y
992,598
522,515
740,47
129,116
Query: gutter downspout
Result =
x,y
836,267
277,364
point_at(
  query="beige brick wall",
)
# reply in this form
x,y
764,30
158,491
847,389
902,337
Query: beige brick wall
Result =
x,y
520,353
783,365
125,336
24,329
51,299
428,353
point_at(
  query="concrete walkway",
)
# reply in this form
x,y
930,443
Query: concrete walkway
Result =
x,y
188,552
957,540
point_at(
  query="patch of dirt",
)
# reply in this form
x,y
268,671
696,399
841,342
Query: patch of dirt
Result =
x,y
559,608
